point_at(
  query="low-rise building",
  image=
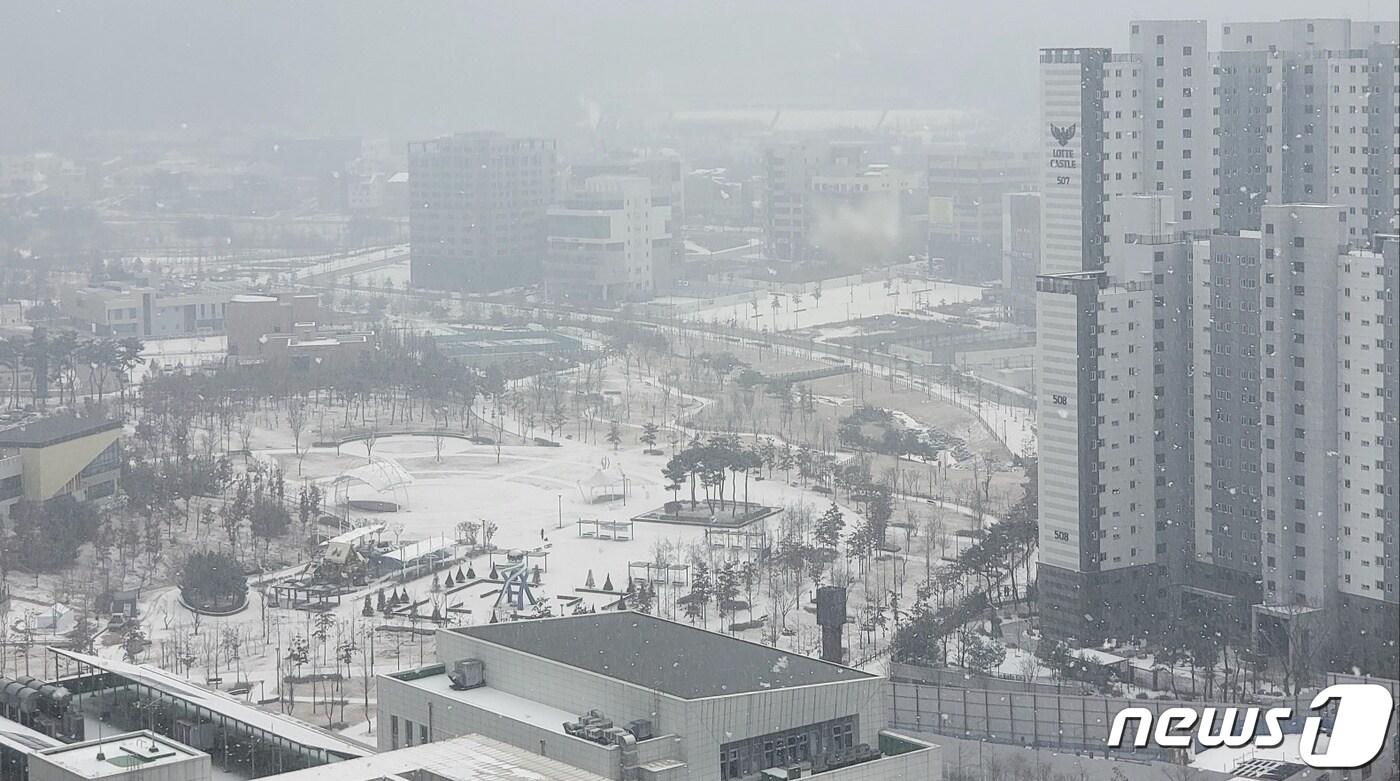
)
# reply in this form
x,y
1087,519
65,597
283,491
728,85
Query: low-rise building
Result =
x,y
290,329
59,455
133,756
625,695
606,241
145,312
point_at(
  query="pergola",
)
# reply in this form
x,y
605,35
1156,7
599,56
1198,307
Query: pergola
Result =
x,y
606,483
304,596
617,531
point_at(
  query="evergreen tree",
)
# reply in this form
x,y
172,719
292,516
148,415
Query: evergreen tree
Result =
x,y
830,526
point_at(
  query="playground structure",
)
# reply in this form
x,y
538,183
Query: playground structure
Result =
x,y
515,596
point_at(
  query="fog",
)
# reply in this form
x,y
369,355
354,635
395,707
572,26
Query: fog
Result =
x,y
890,390
409,69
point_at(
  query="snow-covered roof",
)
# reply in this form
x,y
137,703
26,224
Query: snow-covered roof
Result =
x,y
381,474
417,550
468,758
355,535
604,478
285,727
1101,657
18,737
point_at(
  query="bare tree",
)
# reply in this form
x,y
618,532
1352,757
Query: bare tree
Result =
x,y
296,421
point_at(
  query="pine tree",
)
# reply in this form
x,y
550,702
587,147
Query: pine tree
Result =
x,y
830,526
700,588
726,590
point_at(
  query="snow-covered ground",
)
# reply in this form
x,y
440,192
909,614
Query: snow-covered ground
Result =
x,y
1225,759
352,260
836,305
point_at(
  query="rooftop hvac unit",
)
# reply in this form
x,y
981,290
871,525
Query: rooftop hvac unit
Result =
x,y
467,674
642,729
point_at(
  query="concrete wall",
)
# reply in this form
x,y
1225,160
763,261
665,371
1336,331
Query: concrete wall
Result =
x,y
703,724
712,722
560,686
449,719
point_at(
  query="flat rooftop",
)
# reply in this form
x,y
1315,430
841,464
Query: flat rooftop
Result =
x,y
466,758
494,700
20,738
54,430
121,754
661,655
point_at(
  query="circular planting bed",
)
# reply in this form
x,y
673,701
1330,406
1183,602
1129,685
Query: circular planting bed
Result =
x,y
218,608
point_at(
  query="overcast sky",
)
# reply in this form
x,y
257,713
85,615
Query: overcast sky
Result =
x,y
411,68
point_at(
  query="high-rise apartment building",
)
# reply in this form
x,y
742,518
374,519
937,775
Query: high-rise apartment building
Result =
x,y
1295,468
1127,138
1308,114
1249,193
477,210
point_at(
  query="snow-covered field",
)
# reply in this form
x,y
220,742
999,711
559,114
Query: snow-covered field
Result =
x,y
836,304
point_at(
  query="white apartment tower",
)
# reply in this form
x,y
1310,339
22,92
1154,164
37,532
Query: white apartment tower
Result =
x,y
1126,172
1228,213
1308,114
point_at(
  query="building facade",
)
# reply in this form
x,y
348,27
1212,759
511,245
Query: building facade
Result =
x,y
966,209
606,242
1020,254
477,210
290,329
1253,231
60,455
144,312
674,702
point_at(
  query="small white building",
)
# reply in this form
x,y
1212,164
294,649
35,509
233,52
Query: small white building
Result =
x,y
133,756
